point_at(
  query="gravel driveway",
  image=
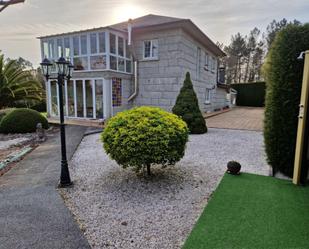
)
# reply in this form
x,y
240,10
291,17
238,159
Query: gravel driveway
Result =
x,y
117,209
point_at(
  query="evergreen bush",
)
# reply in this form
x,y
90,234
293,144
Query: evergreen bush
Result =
x,y
283,73
145,136
22,120
187,108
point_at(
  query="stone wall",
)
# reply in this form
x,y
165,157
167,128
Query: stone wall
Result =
x,y
160,80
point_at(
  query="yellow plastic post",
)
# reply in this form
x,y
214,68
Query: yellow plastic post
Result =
x,y
301,121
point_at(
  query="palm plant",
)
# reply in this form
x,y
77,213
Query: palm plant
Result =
x,y
18,86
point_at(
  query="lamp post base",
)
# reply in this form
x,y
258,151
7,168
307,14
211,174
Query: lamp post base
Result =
x,y
65,185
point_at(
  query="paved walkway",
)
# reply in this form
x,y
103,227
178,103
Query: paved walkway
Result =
x,y
32,213
239,118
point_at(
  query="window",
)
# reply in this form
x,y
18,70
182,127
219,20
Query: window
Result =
x,y
45,49
206,62
198,63
207,96
83,44
151,49
76,45
67,50
213,65
102,42
59,48
112,43
93,44
121,64
113,62
80,63
120,46
98,62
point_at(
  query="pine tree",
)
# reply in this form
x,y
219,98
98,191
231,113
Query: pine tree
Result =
x,y
187,107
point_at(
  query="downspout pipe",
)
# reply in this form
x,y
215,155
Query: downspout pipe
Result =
x,y
135,62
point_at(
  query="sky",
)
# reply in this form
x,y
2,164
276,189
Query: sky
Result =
x,y
20,24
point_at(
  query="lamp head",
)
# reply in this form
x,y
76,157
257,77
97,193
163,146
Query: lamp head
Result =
x,y
46,65
62,66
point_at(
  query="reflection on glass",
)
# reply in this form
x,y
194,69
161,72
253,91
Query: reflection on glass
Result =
x,y
79,98
45,49
89,99
54,102
99,98
80,63
113,62
98,62
71,109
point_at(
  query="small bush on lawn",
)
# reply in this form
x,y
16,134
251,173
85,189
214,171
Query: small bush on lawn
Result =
x,y
5,111
188,109
144,136
22,120
283,74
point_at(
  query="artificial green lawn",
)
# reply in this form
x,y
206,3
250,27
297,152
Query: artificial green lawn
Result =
x,y
251,211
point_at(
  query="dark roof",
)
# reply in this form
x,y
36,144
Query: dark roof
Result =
x,y
157,22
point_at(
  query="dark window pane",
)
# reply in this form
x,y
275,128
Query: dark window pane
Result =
x,y
102,42
83,43
112,43
93,43
147,48
76,45
128,66
120,46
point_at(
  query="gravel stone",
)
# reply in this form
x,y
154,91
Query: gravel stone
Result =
x,y
118,209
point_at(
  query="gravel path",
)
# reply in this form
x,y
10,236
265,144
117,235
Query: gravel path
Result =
x,y
117,209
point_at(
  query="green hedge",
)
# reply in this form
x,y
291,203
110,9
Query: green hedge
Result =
x,y
283,74
144,136
250,94
22,120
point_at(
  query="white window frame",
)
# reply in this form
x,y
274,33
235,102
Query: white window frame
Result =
x,y
153,42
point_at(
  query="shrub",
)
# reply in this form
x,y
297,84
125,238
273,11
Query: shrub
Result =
x,y
22,120
188,109
144,136
283,74
5,111
250,94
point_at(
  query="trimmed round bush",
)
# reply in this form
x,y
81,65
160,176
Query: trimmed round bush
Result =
x,y
5,111
144,136
283,73
22,120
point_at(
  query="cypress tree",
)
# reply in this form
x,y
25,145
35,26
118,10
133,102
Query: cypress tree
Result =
x,y
283,73
187,108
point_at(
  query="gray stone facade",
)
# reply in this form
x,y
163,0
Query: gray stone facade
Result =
x,y
160,80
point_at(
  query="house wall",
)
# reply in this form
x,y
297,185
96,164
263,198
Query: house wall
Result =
x,y
201,78
160,80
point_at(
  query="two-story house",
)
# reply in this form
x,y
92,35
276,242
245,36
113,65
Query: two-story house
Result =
x,y
138,62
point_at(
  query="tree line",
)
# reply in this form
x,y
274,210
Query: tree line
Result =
x,y
246,53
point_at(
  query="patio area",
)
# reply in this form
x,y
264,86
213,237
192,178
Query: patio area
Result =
x,y
239,118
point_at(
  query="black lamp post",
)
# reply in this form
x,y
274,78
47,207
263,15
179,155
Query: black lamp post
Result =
x,y
64,72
